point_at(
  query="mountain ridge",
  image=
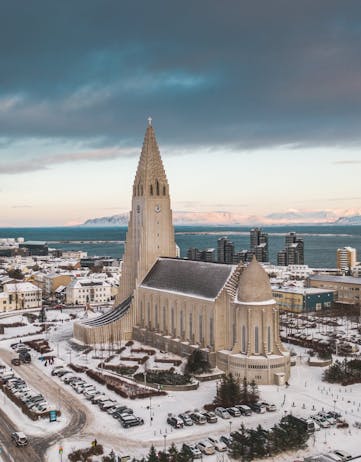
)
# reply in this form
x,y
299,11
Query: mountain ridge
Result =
x,y
220,218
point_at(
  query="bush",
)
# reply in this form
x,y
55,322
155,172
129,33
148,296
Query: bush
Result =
x,y
164,378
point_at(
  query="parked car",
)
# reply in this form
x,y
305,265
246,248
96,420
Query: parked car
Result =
x,y
210,416
219,445
234,411
186,419
343,454
198,418
192,451
222,412
227,440
206,447
244,409
258,408
129,420
19,438
269,406
175,422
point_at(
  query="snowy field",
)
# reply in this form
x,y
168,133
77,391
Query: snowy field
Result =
x,y
306,395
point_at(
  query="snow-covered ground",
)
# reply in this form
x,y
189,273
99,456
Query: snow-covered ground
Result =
x,y
307,394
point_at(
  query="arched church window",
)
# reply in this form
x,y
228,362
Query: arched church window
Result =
x,y
172,319
156,316
181,323
141,190
157,187
164,191
211,331
269,339
244,340
164,319
148,308
151,190
200,321
256,340
190,324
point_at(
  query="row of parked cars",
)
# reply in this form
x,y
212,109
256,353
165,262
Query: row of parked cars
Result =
x,y
200,418
17,386
120,412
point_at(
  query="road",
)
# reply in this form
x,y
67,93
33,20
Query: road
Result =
x,y
76,412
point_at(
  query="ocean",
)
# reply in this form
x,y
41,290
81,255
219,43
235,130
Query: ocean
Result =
x,y
321,242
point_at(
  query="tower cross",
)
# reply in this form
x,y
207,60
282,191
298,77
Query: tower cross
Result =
x,y
149,121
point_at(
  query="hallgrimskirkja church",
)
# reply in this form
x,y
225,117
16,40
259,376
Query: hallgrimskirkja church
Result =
x,y
179,305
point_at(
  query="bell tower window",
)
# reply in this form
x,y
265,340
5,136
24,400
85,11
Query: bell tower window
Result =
x,y
151,190
157,187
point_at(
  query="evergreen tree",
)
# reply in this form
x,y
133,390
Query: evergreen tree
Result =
x,y
239,447
244,393
198,363
228,392
173,453
253,394
152,455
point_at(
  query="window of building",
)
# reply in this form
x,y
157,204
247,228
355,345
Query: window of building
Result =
x,y
200,321
190,324
164,319
256,340
269,339
211,331
244,339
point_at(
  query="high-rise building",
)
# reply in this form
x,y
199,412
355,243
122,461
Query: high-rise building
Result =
x,y
346,258
259,244
293,254
225,250
201,255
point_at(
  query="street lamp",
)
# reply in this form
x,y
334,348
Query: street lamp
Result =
x,y
230,426
165,442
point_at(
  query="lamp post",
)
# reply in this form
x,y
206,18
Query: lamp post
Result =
x,y
165,442
230,426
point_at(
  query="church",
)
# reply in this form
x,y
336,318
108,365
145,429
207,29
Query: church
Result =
x,y
179,305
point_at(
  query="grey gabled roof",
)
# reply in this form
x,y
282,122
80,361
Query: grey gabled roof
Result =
x,y
193,278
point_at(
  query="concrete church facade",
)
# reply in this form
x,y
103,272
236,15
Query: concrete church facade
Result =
x,y
181,305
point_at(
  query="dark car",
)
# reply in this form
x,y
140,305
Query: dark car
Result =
x,y
129,420
210,416
227,440
175,422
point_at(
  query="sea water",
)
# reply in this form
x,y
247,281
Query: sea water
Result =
x,y
321,242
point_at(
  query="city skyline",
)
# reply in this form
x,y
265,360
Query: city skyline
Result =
x,y
256,108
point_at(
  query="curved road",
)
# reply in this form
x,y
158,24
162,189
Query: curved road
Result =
x,y
77,413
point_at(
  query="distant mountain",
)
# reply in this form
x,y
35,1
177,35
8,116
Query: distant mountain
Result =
x,y
352,220
235,219
180,218
114,220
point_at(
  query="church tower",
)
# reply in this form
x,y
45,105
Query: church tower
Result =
x,y
150,229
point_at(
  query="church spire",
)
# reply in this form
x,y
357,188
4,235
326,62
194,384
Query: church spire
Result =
x,y
150,179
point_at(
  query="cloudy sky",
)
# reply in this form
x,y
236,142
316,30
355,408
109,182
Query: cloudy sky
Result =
x,y
256,105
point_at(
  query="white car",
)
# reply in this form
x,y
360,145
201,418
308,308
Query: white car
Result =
x,y
219,445
222,412
206,447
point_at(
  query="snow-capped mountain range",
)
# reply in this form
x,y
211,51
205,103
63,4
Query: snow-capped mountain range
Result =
x,y
228,218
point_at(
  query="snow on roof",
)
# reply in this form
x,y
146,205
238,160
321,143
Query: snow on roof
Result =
x,y
342,279
21,287
301,290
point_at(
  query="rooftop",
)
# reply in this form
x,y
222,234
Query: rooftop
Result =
x,y
329,278
193,278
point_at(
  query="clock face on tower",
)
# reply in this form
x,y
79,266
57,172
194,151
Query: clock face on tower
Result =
x,y
157,208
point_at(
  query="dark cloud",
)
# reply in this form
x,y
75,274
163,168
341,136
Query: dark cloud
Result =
x,y
245,73
15,167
